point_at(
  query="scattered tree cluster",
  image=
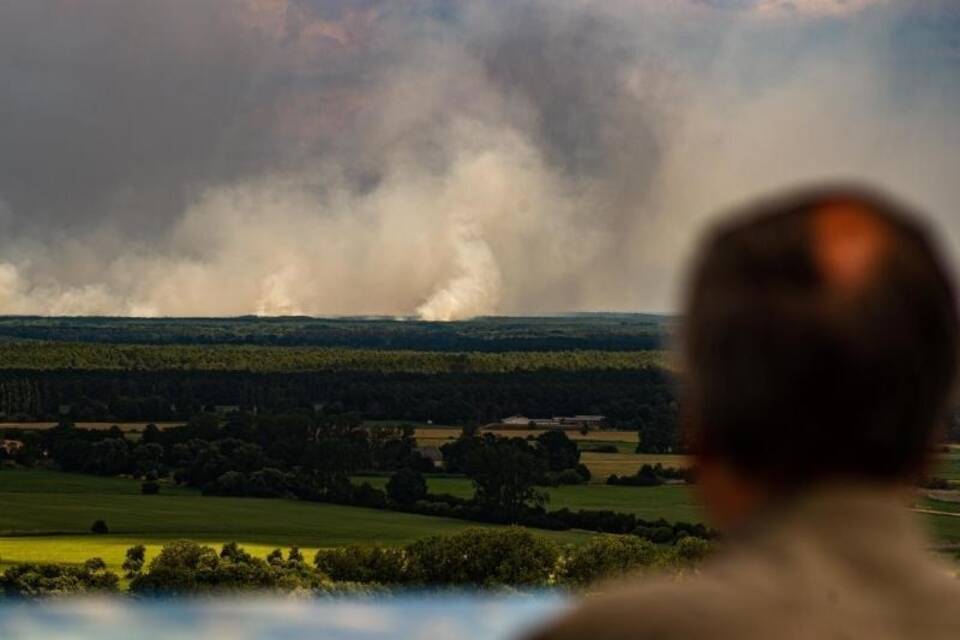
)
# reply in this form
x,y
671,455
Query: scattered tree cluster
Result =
x,y
640,399
315,456
35,580
653,476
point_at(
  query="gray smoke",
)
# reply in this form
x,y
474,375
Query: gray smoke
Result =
x,y
445,159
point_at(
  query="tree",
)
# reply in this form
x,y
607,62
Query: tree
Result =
x,y
109,457
406,487
33,580
483,557
184,567
133,563
364,563
504,472
147,459
99,527
456,453
690,550
175,569
151,434
560,451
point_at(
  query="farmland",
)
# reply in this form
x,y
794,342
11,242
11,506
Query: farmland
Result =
x,y
46,516
625,462
257,394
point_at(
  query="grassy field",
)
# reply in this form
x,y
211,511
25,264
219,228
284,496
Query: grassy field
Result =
x,y
46,516
673,502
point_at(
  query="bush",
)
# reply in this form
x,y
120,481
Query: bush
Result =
x,y
231,483
479,557
35,580
569,476
99,527
366,495
150,488
356,563
656,534
584,472
691,550
652,476
606,556
264,483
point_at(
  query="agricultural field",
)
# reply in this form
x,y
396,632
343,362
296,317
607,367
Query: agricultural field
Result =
x,y
46,516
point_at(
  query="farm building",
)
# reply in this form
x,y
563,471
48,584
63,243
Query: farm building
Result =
x,y
431,453
11,446
556,422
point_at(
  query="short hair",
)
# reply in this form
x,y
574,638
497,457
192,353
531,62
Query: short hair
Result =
x,y
819,340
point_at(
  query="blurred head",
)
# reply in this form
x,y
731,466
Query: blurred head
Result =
x,y
820,346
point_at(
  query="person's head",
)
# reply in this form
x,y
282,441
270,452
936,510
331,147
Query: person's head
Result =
x,y
820,345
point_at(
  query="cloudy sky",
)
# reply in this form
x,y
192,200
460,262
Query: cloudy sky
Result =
x,y
441,158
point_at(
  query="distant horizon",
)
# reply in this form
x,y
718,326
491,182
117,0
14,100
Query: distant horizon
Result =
x,y
358,317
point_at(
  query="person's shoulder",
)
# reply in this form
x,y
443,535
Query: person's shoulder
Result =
x,y
659,608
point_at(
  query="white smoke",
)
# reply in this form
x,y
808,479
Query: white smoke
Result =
x,y
509,159
475,287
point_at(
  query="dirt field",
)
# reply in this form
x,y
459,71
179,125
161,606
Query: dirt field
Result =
x,y
449,433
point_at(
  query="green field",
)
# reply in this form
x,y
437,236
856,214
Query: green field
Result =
x,y
46,516
673,502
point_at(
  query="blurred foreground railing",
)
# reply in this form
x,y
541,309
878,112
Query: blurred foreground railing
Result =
x,y
459,617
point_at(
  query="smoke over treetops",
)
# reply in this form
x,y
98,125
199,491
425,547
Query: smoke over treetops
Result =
x,y
445,159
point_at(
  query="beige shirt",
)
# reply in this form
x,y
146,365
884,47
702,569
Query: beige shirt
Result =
x,y
846,563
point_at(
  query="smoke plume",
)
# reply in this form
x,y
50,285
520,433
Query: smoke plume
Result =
x,y
440,159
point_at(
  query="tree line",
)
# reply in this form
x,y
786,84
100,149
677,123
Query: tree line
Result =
x,y
608,332
51,356
476,557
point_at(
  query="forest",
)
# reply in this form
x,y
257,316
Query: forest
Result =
x,y
592,331
142,370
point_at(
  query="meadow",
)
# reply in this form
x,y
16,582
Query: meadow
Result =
x,y
46,516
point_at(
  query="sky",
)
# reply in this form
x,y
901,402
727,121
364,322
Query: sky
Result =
x,y
440,158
